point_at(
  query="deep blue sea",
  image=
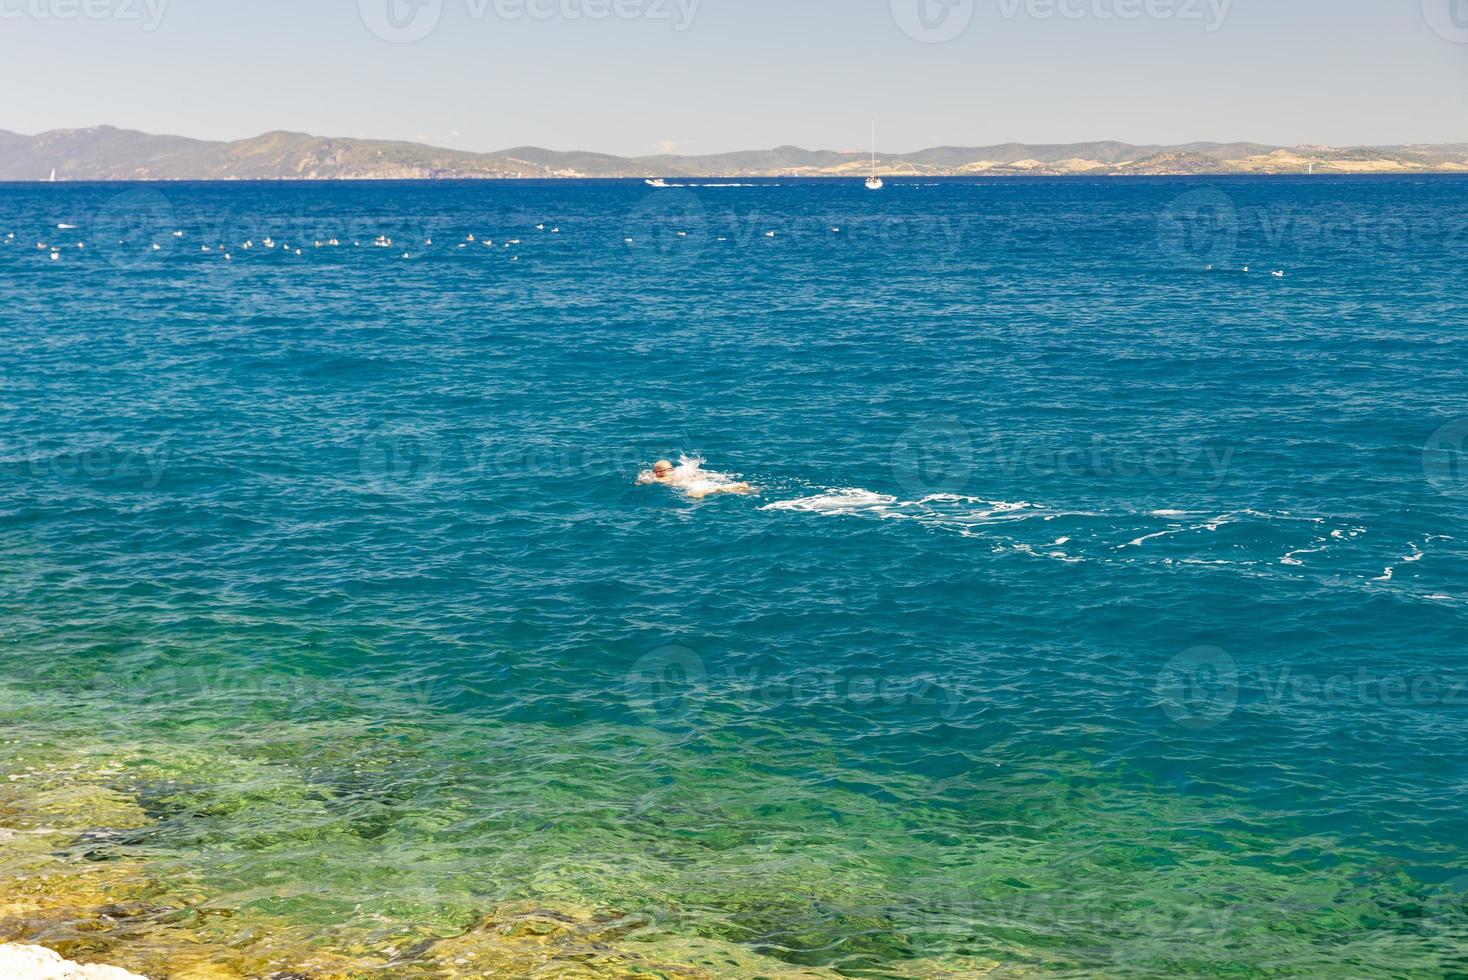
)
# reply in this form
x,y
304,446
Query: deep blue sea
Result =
x,y
1101,609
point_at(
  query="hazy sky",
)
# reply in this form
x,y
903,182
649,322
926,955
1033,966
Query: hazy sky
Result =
x,y
700,76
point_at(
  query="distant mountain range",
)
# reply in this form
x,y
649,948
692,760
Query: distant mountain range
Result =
x,y
105,153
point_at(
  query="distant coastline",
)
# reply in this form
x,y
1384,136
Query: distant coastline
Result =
x,y
109,154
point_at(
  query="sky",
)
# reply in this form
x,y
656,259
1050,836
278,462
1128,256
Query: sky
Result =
x,y
635,77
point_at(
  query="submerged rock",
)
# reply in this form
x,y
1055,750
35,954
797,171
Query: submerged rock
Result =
x,y
39,963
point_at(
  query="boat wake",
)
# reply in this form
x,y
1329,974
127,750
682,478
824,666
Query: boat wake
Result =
x,y
1258,541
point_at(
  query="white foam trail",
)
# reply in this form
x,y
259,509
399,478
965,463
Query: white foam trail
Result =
x,y
942,510
1418,553
836,502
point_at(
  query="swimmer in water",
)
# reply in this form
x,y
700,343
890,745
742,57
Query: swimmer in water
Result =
x,y
693,481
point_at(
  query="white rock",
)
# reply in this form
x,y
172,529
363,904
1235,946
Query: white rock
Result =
x,y
39,963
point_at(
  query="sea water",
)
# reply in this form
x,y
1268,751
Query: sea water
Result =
x,y
1100,611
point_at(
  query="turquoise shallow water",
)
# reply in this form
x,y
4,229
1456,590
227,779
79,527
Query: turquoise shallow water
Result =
x,y
1101,610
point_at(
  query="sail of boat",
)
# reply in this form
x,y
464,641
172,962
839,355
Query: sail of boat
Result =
x,y
874,183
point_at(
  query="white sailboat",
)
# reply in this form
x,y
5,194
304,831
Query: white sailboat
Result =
x,y
874,183
53,176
